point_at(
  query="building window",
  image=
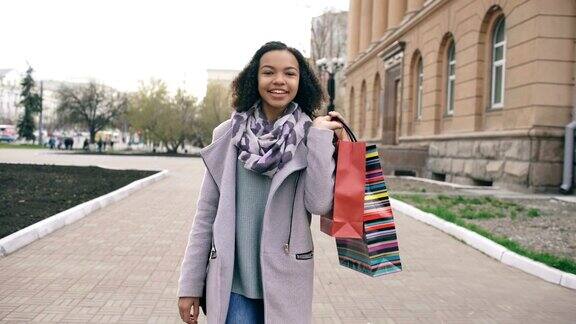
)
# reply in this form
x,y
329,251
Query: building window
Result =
x,y
498,64
419,89
451,79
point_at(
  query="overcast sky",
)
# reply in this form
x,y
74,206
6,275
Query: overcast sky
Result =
x,y
120,42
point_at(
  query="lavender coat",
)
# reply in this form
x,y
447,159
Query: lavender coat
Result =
x,y
287,278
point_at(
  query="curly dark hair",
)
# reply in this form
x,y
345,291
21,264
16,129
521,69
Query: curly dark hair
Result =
x,y
245,86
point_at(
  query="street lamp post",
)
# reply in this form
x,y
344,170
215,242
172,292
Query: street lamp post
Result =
x,y
41,120
331,67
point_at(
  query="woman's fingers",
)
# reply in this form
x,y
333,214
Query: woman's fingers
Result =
x,y
338,115
336,125
185,316
327,122
189,309
333,125
196,307
184,305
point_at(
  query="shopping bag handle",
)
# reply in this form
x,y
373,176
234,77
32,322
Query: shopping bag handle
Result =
x,y
347,129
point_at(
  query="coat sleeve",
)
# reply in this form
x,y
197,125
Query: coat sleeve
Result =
x,y
319,174
193,268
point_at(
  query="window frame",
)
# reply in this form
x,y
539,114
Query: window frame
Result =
x,y
450,78
419,87
499,26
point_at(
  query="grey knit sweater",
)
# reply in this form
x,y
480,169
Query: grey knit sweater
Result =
x,y
251,193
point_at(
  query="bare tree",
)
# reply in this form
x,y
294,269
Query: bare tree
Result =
x,y
93,106
328,41
328,35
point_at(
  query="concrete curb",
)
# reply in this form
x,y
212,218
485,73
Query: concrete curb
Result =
x,y
487,246
27,235
566,199
443,183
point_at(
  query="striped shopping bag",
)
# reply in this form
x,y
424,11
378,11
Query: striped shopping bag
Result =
x,y
377,252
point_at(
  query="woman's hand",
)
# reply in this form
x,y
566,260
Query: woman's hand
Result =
x,y
185,305
331,122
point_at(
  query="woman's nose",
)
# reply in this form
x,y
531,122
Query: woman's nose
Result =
x,y
279,80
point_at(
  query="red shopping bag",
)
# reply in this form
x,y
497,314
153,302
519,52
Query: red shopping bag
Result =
x,y
345,220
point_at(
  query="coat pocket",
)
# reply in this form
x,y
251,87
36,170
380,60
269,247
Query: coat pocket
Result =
x,y
305,256
289,285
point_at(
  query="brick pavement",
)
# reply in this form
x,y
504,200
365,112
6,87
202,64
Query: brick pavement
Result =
x,y
121,265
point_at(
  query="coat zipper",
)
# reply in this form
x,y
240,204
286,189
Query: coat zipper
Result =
x,y
287,245
213,253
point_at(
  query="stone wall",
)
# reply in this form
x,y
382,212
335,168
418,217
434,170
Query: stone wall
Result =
x,y
402,158
525,164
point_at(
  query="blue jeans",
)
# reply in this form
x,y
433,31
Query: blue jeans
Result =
x,y
244,310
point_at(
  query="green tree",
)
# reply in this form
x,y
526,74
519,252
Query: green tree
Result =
x,y
32,103
215,108
168,120
93,106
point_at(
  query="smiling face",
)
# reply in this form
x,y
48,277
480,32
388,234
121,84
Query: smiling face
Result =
x,y
278,79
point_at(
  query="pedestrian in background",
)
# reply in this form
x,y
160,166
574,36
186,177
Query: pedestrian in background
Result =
x,y
52,142
268,168
59,142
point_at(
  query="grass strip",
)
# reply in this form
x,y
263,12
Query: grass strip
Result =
x,y
432,206
20,146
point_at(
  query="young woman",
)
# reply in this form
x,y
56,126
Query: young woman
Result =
x,y
268,168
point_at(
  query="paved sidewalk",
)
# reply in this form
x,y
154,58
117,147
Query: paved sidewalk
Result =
x,y
121,264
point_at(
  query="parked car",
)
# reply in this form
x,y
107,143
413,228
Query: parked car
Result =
x,y
8,133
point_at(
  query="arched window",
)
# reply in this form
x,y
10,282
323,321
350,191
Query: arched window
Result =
x,y
451,78
419,88
498,63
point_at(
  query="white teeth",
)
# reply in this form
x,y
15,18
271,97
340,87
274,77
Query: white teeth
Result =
x,y
278,91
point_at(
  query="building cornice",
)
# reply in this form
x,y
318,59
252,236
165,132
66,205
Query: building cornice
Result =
x,y
540,132
378,47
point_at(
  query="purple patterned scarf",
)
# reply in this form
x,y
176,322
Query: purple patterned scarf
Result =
x,y
266,147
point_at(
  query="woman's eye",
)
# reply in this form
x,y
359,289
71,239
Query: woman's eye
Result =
x,y
267,72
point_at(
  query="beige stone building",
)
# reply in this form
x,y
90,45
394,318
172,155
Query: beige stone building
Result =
x,y
467,91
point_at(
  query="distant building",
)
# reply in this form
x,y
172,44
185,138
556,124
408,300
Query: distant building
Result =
x,y
474,92
223,77
50,100
9,96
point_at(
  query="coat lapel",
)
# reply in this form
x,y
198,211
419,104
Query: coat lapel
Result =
x,y
220,157
297,162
